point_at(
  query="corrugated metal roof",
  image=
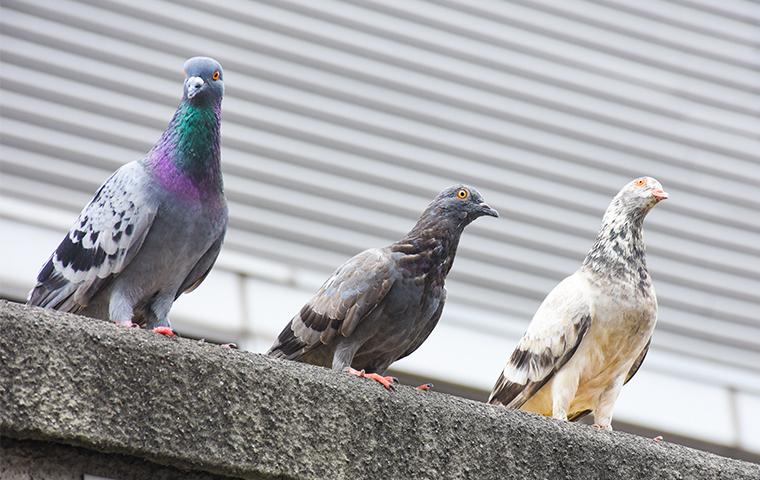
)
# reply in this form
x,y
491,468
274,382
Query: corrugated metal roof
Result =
x,y
342,120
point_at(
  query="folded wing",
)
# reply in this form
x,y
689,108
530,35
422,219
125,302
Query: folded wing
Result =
x,y
355,290
104,239
552,338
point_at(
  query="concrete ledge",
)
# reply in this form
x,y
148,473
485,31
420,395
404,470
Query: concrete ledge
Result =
x,y
198,407
33,459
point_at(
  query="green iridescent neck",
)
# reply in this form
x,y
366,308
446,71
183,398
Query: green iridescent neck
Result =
x,y
187,154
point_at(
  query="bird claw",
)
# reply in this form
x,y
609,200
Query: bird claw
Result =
x,y
386,382
425,387
127,325
657,439
232,346
602,427
165,331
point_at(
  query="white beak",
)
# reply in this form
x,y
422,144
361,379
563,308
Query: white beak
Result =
x,y
193,86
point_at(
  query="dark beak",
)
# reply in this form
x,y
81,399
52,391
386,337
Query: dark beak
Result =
x,y
484,209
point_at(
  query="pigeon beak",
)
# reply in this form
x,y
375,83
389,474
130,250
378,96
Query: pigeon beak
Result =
x,y
659,194
487,210
193,85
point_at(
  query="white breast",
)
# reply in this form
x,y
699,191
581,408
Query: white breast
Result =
x,y
620,329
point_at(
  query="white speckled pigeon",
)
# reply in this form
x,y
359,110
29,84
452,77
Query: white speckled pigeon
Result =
x,y
155,227
592,332
383,303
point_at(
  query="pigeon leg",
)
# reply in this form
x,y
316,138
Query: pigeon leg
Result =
x,y
607,427
606,402
165,331
127,325
564,386
425,387
386,382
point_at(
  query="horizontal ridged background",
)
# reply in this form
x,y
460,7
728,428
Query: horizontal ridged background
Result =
x,y
343,119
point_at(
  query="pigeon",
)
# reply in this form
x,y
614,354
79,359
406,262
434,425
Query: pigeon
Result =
x,y
154,229
380,305
591,333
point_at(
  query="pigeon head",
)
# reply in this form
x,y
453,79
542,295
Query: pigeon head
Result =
x,y
460,203
450,211
204,81
186,159
433,240
639,196
620,243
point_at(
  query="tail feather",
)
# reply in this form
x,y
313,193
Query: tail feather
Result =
x,y
287,346
53,290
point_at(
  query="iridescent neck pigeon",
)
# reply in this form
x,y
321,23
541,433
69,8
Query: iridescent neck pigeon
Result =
x,y
591,333
155,227
383,303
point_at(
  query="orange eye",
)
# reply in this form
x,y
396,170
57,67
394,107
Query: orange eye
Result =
x,y
215,76
462,193
640,182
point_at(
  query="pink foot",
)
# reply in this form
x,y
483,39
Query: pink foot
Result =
x,y
602,427
386,382
232,346
127,325
425,387
657,439
164,331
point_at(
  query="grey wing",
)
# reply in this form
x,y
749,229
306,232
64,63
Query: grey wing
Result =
x,y
105,237
552,338
339,306
202,268
428,329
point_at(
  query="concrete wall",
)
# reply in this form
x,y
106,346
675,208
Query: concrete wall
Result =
x,y
40,460
155,404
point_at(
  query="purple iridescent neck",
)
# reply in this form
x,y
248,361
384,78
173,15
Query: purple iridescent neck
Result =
x,y
185,160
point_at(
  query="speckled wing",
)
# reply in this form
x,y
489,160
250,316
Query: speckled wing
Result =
x,y
553,336
104,239
341,304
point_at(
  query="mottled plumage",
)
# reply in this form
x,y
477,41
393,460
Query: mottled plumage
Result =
x,y
383,303
591,333
155,227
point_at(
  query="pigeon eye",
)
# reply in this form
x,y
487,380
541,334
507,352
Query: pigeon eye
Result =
x,y
215,76
640,182
462,193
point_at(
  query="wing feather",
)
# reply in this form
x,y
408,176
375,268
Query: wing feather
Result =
x,y
103,240
552,338
429,327
348,297
637,364
202,268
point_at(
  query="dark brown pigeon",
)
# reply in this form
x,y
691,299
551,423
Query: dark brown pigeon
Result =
x,y
591,333
383,303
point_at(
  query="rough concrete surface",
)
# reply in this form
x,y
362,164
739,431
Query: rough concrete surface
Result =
x,y
36,460
176,402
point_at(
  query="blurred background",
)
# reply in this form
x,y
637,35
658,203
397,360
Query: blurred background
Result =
x,y
343,119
